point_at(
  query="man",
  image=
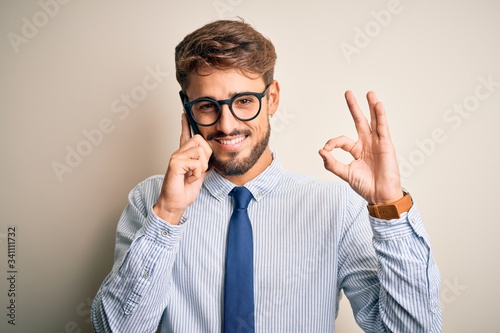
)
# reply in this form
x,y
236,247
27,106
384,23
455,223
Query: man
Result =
x,y
177,264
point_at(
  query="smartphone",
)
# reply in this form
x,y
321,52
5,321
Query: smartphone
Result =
x,y
192,123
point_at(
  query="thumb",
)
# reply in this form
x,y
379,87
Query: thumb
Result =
x,y
331,164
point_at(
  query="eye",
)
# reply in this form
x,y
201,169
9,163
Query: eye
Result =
x,y
205,106
245,100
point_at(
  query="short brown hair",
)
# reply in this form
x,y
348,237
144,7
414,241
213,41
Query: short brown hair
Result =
x,y
225,44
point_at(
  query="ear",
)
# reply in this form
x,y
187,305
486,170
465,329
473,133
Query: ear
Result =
x,y
273,98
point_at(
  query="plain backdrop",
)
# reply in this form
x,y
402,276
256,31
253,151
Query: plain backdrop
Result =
x,y
89,107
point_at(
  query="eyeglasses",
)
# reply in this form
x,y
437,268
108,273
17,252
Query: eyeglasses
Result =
x,y
206,111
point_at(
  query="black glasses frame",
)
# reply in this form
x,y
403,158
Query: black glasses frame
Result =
x,y
188,105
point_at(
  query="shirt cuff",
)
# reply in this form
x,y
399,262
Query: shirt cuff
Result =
x,y
409,223
162,232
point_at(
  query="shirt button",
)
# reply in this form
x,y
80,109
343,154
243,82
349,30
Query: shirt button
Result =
x,y
412,220
164,232
145,275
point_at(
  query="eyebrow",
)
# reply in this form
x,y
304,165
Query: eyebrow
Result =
x,y
231,95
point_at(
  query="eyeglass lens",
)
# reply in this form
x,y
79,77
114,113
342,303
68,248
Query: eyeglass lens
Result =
x,y
244,107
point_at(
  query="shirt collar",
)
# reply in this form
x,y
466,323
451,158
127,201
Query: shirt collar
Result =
x,y
219,187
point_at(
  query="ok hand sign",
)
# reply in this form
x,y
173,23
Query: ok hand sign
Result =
x,y
374,172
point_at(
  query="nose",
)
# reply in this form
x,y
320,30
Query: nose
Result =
x,y
227,122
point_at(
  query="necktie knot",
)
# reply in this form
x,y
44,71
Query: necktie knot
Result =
x,y
242,197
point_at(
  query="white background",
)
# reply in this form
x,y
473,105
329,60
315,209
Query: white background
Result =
x,y
64,65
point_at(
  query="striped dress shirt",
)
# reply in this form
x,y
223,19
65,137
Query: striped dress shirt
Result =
x,y
313,239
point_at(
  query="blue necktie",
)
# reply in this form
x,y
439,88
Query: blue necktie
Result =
x,y
238,291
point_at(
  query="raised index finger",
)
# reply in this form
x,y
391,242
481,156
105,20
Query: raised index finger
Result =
x,y
360,121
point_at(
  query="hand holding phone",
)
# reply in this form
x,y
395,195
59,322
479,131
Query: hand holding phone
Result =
x,y
187,168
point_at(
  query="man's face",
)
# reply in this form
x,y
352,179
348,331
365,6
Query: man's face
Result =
x,y
238,147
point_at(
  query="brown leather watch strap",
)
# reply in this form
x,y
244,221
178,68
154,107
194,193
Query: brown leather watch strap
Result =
x,y
392,210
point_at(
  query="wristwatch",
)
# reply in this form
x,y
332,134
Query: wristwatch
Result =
x,y
392,210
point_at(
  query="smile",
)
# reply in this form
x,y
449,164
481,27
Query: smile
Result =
x,y
232,141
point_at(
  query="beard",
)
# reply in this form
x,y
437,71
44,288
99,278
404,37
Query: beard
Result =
x,y
239,166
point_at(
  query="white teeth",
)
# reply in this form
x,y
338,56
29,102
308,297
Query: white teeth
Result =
x,y
233,141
